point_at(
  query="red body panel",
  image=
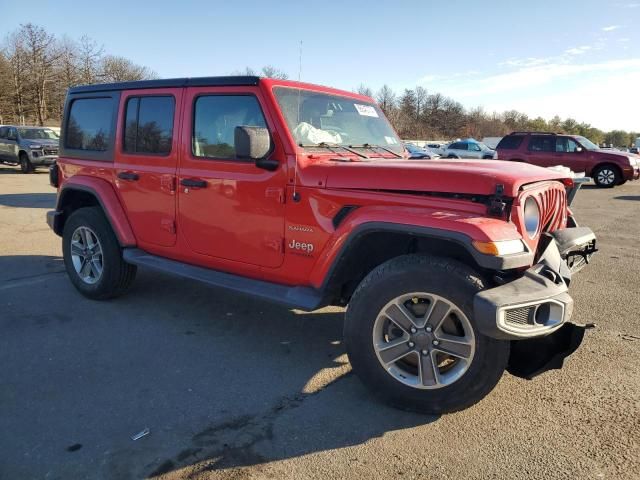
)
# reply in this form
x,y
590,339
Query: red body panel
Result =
x,y
97,180
246,220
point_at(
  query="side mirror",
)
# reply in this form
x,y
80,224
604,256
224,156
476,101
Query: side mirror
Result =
x,y
254,143
579,149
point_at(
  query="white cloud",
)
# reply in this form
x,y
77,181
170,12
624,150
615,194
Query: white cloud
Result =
x,y
610,28
578,50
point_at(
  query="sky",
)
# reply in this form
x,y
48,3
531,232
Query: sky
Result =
x,y
578,59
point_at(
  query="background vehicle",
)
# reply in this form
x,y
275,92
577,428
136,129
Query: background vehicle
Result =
x,y
303,194
29,147
491,142
607,167
468,149
419,153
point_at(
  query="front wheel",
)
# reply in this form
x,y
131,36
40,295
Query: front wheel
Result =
x,y
606,176
92,255
25,164
411,337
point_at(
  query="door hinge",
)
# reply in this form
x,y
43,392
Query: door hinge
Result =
x,y
168,183
275,192
168,224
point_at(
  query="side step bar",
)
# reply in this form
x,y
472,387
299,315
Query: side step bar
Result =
x,y
303,298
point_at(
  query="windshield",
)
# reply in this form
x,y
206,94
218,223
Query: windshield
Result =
x,y
38,134
412,148
319,119
586,143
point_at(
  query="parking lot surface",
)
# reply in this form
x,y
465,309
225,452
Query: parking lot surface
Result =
x,y
232,387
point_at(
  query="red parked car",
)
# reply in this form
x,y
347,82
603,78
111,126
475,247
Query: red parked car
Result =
x,y
607,168
304,195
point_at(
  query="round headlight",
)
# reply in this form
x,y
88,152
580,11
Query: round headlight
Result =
x,y
531,217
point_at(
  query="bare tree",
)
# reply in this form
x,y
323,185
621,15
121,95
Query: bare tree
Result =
x,y
120,69
41,57
364,90
16,56
270,71
89,55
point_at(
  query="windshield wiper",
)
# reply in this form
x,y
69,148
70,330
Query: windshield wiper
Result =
x,y
373,147
332,147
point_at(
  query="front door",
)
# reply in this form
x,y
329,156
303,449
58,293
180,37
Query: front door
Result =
x,y
146,162
228,207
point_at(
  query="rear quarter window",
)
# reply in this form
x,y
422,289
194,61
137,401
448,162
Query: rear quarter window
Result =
x,y
89,126
511,142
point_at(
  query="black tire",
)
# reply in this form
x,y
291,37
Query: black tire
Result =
x,y
488,157
453,156
25,164
607,176
117,275
421,273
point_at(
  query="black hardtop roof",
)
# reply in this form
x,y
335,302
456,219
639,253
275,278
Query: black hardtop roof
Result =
x,y
167,83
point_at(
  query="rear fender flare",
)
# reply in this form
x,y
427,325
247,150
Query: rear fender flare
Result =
x,y
106,197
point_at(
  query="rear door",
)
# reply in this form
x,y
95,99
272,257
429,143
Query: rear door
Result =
x,y
228,207
541,151
146,162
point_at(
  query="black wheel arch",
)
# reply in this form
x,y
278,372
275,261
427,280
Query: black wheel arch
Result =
x,y
374,243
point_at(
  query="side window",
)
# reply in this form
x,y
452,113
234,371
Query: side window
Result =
x,y
458,146
542,144
510,142
149,125
89,125
4,131
474,147
215,120
572,145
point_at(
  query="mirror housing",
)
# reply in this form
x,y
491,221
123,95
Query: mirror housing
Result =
x,y
579,149
254,143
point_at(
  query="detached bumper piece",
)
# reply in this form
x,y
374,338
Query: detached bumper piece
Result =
x,y
534,310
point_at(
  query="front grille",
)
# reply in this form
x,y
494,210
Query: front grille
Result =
x,y
50,151
554,206
521,315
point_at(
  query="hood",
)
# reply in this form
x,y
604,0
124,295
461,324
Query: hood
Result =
x,y
48,142
478,177
615,153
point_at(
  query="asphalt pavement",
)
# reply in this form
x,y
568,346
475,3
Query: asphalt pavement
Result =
x,y
232,387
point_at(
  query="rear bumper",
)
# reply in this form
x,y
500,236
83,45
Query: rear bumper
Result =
x,y
54,220
537,303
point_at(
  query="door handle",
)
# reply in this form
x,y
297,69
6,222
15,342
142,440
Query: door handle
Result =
x,y
130,176
193,183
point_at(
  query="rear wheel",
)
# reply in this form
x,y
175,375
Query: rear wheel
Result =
x,y
411,337
25,163
606,176
93,257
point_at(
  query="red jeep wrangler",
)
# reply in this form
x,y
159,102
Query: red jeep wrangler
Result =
x,y
607,167
452,271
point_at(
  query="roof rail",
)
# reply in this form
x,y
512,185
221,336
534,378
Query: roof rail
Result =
x,y
169,82
534,132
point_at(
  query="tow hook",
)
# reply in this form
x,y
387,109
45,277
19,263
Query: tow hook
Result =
x,y
532,357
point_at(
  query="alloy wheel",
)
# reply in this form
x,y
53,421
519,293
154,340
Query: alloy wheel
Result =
x,y
606,176
423,340
86,255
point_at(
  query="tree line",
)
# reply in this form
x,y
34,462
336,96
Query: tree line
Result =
x,y
37,68
418,114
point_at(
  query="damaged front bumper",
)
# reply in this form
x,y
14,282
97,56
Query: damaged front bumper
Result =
x,y
534,310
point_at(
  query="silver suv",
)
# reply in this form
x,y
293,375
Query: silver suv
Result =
x,y
29,147
468,149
